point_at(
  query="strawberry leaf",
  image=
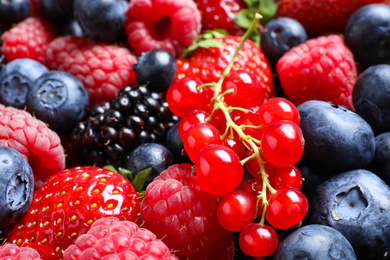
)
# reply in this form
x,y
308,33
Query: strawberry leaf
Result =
x,y
206,40
140,179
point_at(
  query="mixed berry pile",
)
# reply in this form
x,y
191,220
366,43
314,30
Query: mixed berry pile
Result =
x,y
195,129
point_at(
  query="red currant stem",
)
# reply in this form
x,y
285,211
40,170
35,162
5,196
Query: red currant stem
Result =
x,y
262,220
230,90
255,140
243,161
212,85
246,36
251,126
257,207
226,132
239,109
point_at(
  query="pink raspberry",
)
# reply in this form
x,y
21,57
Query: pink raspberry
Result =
x,y
13,252
110,238
34,140
103,68
160,24
28,39
176,209
322,68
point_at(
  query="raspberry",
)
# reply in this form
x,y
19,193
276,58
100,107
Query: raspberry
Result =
x,y
322,68
34,140
176,208
110,238
12,251
28,39
103,68
159,24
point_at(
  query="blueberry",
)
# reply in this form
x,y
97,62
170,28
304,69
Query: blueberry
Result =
x,y
380,164
147,155
357,204
16,79
101,20
175,145
367,34
72,28
279,36
336,138
157,69
314,242
14,11
59,99
371,97
16,186
54,12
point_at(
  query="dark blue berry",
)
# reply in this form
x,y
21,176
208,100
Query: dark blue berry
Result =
x,y
150,155
279,36
59,99
16,186
371,97
156,69
314,242
72,28
101,20
175,145
356,203
16,79
380,164
54,12
336,138
367,34
14,11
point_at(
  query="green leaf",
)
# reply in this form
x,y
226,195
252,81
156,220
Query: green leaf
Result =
x,y
127,174
140,179
245,17
209,43
268,10
111,168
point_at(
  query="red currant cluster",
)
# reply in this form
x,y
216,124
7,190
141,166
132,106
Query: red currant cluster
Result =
x,y
241,128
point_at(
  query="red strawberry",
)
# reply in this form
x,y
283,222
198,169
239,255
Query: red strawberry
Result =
x,y
159,24
68,203
176,208
325,16
103,68
220,14
28,39
322,68
208,64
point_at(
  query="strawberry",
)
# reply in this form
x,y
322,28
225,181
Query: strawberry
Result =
x,y
319,17
68,203
220,14
208,64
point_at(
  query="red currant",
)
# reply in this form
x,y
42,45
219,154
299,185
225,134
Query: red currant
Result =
x,y
282,143
258,240
276,109
286,208
280,177
198,137
252,165
190,119
252,119
218,169
254,188
247,89
236,210
183,96
235,144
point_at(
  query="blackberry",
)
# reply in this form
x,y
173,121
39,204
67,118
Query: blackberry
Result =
x,y
113,130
